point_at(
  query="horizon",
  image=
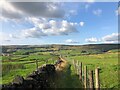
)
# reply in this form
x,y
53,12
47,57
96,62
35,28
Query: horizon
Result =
x,y
62,44
66,23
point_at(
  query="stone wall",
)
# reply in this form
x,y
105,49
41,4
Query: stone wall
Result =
x,y
39,79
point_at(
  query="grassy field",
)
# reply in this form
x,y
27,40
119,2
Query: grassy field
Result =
x,y
22,61
22,65
107,62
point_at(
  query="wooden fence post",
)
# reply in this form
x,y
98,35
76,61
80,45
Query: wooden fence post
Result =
x,y
74,63
97,80
77,63
77,67
91,80
80,71
36,64
85,77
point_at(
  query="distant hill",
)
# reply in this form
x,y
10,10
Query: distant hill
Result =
x,y
95,47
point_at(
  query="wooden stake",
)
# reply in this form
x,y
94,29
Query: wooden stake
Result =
x,y
75,64
85,77
80,71
91,80
97,80
77,67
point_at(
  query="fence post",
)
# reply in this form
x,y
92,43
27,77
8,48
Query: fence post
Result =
x,y
77,67
85,77
97,80
77,63
36,64
80,71
74,63
91,80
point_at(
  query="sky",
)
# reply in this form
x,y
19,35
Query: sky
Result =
x,y
73,23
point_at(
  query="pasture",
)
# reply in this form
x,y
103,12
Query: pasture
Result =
x,y
107,62
22,61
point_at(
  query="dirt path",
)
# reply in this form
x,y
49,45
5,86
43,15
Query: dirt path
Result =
x,y
65,78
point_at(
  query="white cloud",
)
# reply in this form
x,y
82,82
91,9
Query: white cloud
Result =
x,y
71,41
91,40
4,37
70,13
33,33
82,24
38,15
73,12
7,37
13,36
8,11
18,10
112,38
91,1
43,27
97,12
117,12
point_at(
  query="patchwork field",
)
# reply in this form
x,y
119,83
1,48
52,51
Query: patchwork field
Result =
x,y
21,60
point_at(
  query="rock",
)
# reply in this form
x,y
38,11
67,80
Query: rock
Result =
x,y
32,75
50,69
18,80
29,78
35,81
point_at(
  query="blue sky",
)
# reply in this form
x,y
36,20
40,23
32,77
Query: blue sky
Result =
x,y
59,23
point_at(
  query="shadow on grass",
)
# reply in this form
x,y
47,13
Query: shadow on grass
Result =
x,y
65,79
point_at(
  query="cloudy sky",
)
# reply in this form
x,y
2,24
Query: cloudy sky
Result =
x,y
35,23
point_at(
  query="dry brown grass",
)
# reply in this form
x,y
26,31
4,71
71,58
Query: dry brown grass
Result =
x,y
61,66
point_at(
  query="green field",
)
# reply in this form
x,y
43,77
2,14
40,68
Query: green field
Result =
x,y
107,62
11,66
22,61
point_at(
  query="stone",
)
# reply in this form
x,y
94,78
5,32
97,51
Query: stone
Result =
x,y
18,80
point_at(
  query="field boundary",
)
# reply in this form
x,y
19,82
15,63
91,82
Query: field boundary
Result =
x,y
87,76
